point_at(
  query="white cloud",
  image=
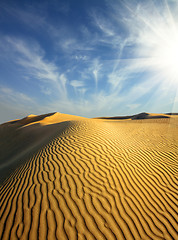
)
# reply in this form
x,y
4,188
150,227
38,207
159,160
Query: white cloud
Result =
x,y
95,68
81,57
63,79
76,83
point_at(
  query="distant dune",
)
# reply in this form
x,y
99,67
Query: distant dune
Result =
x,y
143,115
68,177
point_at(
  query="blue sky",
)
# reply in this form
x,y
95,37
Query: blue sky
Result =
x,y
88,57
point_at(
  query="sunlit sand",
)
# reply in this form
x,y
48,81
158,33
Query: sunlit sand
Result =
x,y
68,177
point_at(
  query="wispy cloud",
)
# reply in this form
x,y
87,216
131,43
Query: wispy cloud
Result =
x,y
102,23
31,57
14,96
16,104
76,83
95,69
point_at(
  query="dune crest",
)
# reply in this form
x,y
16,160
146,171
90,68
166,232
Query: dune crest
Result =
x,y
91,179
45,119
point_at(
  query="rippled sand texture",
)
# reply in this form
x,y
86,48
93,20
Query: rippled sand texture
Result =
x,y
97,179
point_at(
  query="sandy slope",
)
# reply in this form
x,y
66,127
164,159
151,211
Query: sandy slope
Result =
x,y
89,179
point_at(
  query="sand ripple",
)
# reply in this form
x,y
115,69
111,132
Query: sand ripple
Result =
x,y
97,180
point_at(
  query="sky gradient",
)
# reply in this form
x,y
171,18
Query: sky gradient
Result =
x,y
88,57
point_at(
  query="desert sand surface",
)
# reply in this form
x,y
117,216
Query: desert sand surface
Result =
x,y
68,177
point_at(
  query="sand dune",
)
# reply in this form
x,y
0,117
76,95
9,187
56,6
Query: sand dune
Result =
x,y
142,115
77,178
20,139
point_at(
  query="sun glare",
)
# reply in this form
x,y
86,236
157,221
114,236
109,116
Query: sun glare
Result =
x,y
158,43
167,54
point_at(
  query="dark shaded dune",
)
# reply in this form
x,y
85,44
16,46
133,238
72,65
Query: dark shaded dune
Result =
x,y
31,119
147,116
95,180
116,118
136,117
174,114
17,144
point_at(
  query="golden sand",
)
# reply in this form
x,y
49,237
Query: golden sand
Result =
x,y
67,177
